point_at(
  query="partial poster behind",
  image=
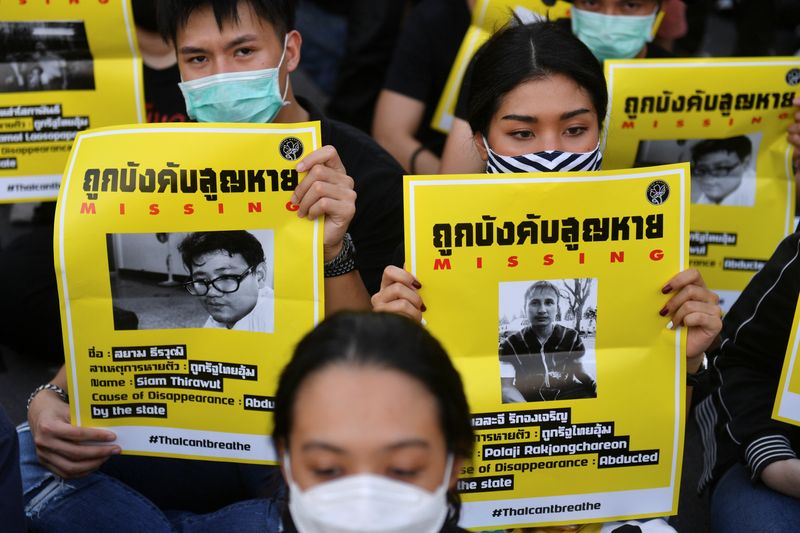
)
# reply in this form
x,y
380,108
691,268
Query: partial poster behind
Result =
x,y
64,67
728,118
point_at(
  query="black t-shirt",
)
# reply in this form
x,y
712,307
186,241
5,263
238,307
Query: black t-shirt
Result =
x,y
163,98
423,57
377,227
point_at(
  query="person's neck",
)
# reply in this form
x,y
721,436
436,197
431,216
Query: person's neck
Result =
x,y
293,112
642,53
543,332
156,52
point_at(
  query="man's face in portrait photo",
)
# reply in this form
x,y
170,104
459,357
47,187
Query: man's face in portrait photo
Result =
x,y
719,173
230,304
542,306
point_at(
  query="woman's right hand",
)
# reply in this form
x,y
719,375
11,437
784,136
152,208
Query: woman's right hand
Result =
x,y
399,294
66,450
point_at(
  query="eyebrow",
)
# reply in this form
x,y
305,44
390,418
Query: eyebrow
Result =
x,y
409,443
533,120
233,44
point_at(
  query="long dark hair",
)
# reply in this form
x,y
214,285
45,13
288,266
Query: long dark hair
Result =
x,y
387,341
525,52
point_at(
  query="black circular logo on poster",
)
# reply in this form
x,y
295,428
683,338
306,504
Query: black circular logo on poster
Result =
x,y
291,148
793,76
657,192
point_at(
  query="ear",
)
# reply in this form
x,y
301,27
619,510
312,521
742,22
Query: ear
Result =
x,y
477,139
261,275
294,41
458,462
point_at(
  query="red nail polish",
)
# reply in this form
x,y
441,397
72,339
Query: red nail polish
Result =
x,y
423,308
667,289
416,284
663,312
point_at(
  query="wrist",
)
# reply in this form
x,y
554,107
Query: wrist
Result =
x,y
48,388
329,253
344,261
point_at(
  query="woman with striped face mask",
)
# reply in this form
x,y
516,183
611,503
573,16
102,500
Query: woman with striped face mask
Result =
x,y
537,100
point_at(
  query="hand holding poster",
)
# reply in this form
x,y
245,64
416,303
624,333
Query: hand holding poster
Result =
x,y
787,401
729,118
545,290
185,277
64,67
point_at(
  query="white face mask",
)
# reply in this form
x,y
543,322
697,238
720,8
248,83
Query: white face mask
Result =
x,y
368,503
547,161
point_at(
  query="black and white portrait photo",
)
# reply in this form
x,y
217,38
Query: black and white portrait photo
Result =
x,y
547,339
45,56
203,279
723,170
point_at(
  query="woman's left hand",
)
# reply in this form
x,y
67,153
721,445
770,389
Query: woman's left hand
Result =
x,y
695,306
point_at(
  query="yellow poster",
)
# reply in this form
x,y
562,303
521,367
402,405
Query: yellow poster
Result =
x,y
488,16
65,66
787,401
185,278
728,118
588,426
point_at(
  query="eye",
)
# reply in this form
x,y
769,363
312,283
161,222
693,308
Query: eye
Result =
x,y
331,472
244,51
522,134
402,473
575,131
197,60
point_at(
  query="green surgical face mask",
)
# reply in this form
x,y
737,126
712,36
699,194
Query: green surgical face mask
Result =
x,y
612,36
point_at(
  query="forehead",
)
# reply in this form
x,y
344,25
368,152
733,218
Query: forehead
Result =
x,y
553,95
218,260
201,28
719,156
363,409
540,293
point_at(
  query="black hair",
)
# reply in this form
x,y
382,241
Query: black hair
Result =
x,y
232,242
740,145
144,14
381,340
525,52
174,14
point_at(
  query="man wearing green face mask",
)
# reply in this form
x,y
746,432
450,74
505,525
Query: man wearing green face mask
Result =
x,y
616,29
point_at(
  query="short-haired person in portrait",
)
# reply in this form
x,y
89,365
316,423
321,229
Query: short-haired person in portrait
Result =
x,y
229,276
546,357
720,170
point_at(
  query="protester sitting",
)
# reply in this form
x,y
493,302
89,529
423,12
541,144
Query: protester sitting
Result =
x,y
372,427
545,117
751,461
610,28
414,83
223,39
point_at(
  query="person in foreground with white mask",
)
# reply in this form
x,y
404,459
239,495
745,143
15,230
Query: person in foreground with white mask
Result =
x,y
372,427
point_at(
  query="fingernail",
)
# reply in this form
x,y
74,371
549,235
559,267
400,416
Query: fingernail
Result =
x,y
301,166
416,284
423,308
670,325
663,312
116,450
667,289
293,199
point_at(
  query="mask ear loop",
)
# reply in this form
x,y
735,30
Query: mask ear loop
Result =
x,y
284,101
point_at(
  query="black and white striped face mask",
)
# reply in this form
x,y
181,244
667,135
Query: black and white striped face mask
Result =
x,y
547,161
